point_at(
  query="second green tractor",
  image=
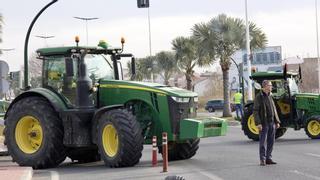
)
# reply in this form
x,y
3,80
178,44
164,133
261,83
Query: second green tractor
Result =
x,y
296,110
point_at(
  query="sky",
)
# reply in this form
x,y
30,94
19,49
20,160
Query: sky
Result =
x,y
290,24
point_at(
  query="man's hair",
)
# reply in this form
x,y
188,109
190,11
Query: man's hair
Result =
x,y
265,83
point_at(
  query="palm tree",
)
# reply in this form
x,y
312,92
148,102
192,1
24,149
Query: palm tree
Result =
x,y
167,65
139,72
189,55
220,38
258,39
148,67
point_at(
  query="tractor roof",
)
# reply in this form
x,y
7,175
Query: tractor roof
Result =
x,y
53,51
271,75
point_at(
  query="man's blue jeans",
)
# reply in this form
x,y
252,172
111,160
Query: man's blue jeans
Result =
x,y
267,137
239,108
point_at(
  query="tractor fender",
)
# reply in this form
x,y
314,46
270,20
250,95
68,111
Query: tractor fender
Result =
x,y
55,100
97,115
248,104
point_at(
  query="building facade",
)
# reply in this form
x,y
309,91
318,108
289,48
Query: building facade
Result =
x,y
263,60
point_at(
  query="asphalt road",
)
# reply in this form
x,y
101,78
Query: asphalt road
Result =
x,y
228,157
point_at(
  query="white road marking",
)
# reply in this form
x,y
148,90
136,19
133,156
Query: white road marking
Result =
x,y
314,155
54,175
27,174
210,175
306,175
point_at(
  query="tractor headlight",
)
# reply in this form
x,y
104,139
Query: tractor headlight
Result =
x,y
181,99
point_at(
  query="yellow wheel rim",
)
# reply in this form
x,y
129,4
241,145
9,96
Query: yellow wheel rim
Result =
x,y
252,126
314,127
110,140
29,134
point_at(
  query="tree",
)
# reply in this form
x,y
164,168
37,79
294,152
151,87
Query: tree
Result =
x,y
258,39
35,71
220,38
189,55
166,64
139,73
148,67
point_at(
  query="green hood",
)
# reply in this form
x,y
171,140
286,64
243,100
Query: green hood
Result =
x,y
308,95
147,86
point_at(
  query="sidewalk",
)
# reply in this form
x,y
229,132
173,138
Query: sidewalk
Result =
x,y
10,170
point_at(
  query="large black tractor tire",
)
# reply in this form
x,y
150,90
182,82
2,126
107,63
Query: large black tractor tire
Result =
x,y
312,127
119,138
84,155
248,127
34,134
181,151
280,132
251,131
175,177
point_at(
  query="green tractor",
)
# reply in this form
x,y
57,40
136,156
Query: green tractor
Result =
x,y
296,110
85,112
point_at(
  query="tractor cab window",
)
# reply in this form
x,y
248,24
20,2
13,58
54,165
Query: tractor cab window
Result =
x,y
99,66
55,77
278,88
54,69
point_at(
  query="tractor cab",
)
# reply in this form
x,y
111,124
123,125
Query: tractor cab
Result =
x,y
284,89
61,68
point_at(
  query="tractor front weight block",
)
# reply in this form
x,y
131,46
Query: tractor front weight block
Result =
x,y
204,127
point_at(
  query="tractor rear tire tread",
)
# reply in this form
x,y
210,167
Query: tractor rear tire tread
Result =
x,y
181,151
306,127
244,124
130,138
52,151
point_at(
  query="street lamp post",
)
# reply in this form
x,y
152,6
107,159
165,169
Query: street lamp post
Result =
x,y
45,39
150,52
240,79
317,33
87,19
146,4
248,55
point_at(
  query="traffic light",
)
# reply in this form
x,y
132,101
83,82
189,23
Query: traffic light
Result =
x,y
143,3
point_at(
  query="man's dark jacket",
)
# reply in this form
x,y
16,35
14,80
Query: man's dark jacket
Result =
x,y
260,110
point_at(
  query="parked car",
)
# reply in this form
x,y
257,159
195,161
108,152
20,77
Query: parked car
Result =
x,y
217,104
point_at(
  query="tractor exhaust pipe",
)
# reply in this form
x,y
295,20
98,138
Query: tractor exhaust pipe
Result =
x,y
84,83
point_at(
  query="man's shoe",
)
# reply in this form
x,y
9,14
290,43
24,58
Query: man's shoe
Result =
x,y
262,163
269,161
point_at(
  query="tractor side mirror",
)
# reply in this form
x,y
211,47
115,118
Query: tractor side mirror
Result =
x,y
257,86
69,67
133,67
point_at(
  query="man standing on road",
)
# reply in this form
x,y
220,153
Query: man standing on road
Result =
x,y
267,121
237,99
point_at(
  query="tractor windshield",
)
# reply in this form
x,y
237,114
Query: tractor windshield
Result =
x,y
99,66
